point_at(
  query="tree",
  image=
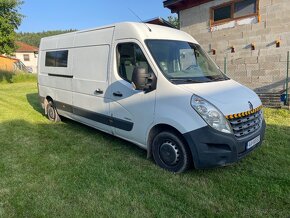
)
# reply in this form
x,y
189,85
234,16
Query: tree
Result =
x,y
34,38
174,21
10,20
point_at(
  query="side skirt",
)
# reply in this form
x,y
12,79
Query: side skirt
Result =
x,y
100,118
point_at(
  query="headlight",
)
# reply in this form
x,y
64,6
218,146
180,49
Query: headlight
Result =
x,y
210,114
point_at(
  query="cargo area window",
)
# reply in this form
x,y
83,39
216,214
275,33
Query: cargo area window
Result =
x,y
233,10
56,58
129,56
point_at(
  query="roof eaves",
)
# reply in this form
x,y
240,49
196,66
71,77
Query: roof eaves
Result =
x,y
170,2
162,20
178,5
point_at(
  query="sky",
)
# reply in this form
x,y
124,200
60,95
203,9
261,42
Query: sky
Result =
x,y
43,15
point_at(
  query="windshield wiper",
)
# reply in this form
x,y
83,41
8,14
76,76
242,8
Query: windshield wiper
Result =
x,y
219,78
186,80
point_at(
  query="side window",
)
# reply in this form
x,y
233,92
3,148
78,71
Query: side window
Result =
x,y
56,58
50,59
129,56
61,58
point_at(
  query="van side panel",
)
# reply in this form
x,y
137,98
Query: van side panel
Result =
x,y
66,41
48,43
94,37
90,82
90,64
90,73
56,82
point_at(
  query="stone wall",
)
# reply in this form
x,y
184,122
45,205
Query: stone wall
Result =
x,y
262,69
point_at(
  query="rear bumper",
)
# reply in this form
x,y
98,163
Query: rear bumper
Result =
x,y
211,148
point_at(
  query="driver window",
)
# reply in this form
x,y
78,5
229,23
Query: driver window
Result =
x,y
129,56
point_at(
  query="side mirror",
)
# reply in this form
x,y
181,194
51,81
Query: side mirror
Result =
x,y
141,79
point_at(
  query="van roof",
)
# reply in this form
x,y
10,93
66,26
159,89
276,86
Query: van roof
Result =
x,y
137,30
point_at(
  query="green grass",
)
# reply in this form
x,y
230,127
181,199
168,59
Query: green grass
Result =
x,y
67,169
15,77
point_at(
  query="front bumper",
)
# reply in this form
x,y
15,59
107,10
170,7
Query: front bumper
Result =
x,y
212,148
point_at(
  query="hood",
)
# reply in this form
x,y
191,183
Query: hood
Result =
x,y
228,96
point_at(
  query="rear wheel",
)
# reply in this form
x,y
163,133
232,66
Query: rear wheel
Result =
x,y
170,152
52,112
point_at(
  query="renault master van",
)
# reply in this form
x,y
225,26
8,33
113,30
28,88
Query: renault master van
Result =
x,y
153,86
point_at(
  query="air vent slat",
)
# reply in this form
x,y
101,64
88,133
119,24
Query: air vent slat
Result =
x,y
246,125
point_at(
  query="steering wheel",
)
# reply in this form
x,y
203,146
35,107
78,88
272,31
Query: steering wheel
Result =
x,y
191,67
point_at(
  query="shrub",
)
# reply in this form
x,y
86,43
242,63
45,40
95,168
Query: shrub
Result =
x,y
16,77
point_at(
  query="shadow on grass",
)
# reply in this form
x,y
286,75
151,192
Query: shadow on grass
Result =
x,y
6,77
82,166
272,137
34,101
65,135
61,137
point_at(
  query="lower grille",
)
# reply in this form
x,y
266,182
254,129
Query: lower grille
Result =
x,y
246,125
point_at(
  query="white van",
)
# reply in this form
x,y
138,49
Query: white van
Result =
x,y
153,86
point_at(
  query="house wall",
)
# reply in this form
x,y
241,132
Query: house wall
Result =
x,y
262,69
7,64
32,60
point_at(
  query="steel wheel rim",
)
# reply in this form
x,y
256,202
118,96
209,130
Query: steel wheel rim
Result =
x,y
51,113
169,153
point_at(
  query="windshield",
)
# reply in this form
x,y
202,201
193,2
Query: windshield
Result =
x,y
184,62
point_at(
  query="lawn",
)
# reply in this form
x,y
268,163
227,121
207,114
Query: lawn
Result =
x,y
69,170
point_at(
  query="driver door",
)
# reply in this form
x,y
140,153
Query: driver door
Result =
x,y
132,110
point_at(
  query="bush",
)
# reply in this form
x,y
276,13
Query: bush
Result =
x,y
16,77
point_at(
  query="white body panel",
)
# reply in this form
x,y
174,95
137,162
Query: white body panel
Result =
x,y
91,73
92,66
229,96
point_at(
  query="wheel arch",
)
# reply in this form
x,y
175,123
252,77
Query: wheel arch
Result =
x,y
160,128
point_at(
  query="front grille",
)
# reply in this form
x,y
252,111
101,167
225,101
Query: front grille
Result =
x,y
246,125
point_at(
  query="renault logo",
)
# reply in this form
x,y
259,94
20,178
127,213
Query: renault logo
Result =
x,y
250,105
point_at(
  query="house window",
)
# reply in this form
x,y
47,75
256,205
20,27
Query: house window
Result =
x,y
222,13
26,57
245,8
234,10
56,58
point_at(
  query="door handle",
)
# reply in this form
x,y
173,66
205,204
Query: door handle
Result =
x,y
117,94
99,91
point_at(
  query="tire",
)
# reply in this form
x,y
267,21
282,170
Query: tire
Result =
x,y
170,152
52,112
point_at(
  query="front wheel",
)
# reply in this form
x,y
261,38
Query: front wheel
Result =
x,y
52,112
170,152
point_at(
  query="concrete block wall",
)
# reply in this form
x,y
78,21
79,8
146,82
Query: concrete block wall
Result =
x,y
262,69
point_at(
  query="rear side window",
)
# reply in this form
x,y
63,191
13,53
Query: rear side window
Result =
x,y
129,56
56,58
